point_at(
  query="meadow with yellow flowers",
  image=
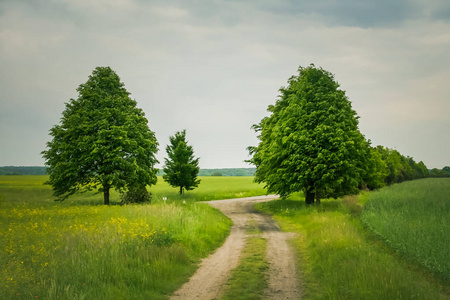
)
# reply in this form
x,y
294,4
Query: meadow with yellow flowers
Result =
x,y
81,249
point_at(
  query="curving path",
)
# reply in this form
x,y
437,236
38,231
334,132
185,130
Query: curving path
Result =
x,y
210,279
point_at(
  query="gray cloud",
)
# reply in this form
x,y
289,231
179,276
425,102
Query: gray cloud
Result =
x,y
213,67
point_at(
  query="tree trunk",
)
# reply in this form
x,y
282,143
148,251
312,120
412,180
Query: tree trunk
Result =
x,y
106,188
309,196
181,190
317,198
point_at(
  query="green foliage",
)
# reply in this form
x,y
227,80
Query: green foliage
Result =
x,y
181,168
446,170
413,218
436,173
136,194
80,249
376,170
217,173
339,259
399,167
103,140
311,141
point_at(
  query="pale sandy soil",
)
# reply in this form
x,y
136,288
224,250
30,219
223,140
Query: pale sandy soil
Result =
x,y
210,279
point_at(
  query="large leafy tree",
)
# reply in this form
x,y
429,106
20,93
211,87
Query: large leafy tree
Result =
x,y
311,141
181,168
103,141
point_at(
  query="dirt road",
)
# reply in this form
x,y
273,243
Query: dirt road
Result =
x,y
210,279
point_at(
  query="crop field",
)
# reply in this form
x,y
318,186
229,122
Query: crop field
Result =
x,y
80,249
414,218
340,258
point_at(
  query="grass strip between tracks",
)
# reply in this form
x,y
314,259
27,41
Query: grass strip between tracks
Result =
x,y
249,279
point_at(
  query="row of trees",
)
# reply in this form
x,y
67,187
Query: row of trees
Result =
x,y
444,172
103,141
387,166
311,143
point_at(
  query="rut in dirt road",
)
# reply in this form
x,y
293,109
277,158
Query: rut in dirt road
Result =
x,y
210,279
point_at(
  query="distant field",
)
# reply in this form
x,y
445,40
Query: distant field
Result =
x,y
81,249
210,188
414,218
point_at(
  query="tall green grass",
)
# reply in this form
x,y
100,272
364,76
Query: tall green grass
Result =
x,y
339,259
414,218
81,249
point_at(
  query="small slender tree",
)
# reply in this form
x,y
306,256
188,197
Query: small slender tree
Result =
x,y
103,141
181,168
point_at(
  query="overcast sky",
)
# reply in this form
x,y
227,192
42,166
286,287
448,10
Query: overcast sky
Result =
x,y
213,67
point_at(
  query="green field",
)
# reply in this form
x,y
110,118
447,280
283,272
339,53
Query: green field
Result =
x,y
380,245
210,188
340,258
81,249
414,218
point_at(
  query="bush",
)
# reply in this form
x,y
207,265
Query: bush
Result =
x,y
136,194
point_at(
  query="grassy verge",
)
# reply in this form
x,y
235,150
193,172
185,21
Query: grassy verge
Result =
x,y
414,218
339,259
248,280
80,249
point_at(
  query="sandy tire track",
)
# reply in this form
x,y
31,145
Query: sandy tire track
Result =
x,y
210,279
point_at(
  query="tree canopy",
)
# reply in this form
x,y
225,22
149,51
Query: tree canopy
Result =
x,y
311,141
399,167
103,141
181,168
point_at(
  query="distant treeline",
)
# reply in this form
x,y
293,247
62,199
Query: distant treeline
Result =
x,y
203,172
398,168
223,172
387,166
445,172
227,172
23,170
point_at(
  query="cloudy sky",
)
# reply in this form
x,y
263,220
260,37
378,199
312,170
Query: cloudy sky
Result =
x,y
213,67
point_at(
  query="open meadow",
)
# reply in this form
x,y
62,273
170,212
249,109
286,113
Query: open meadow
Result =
x,y
388,244
340,257
81,249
